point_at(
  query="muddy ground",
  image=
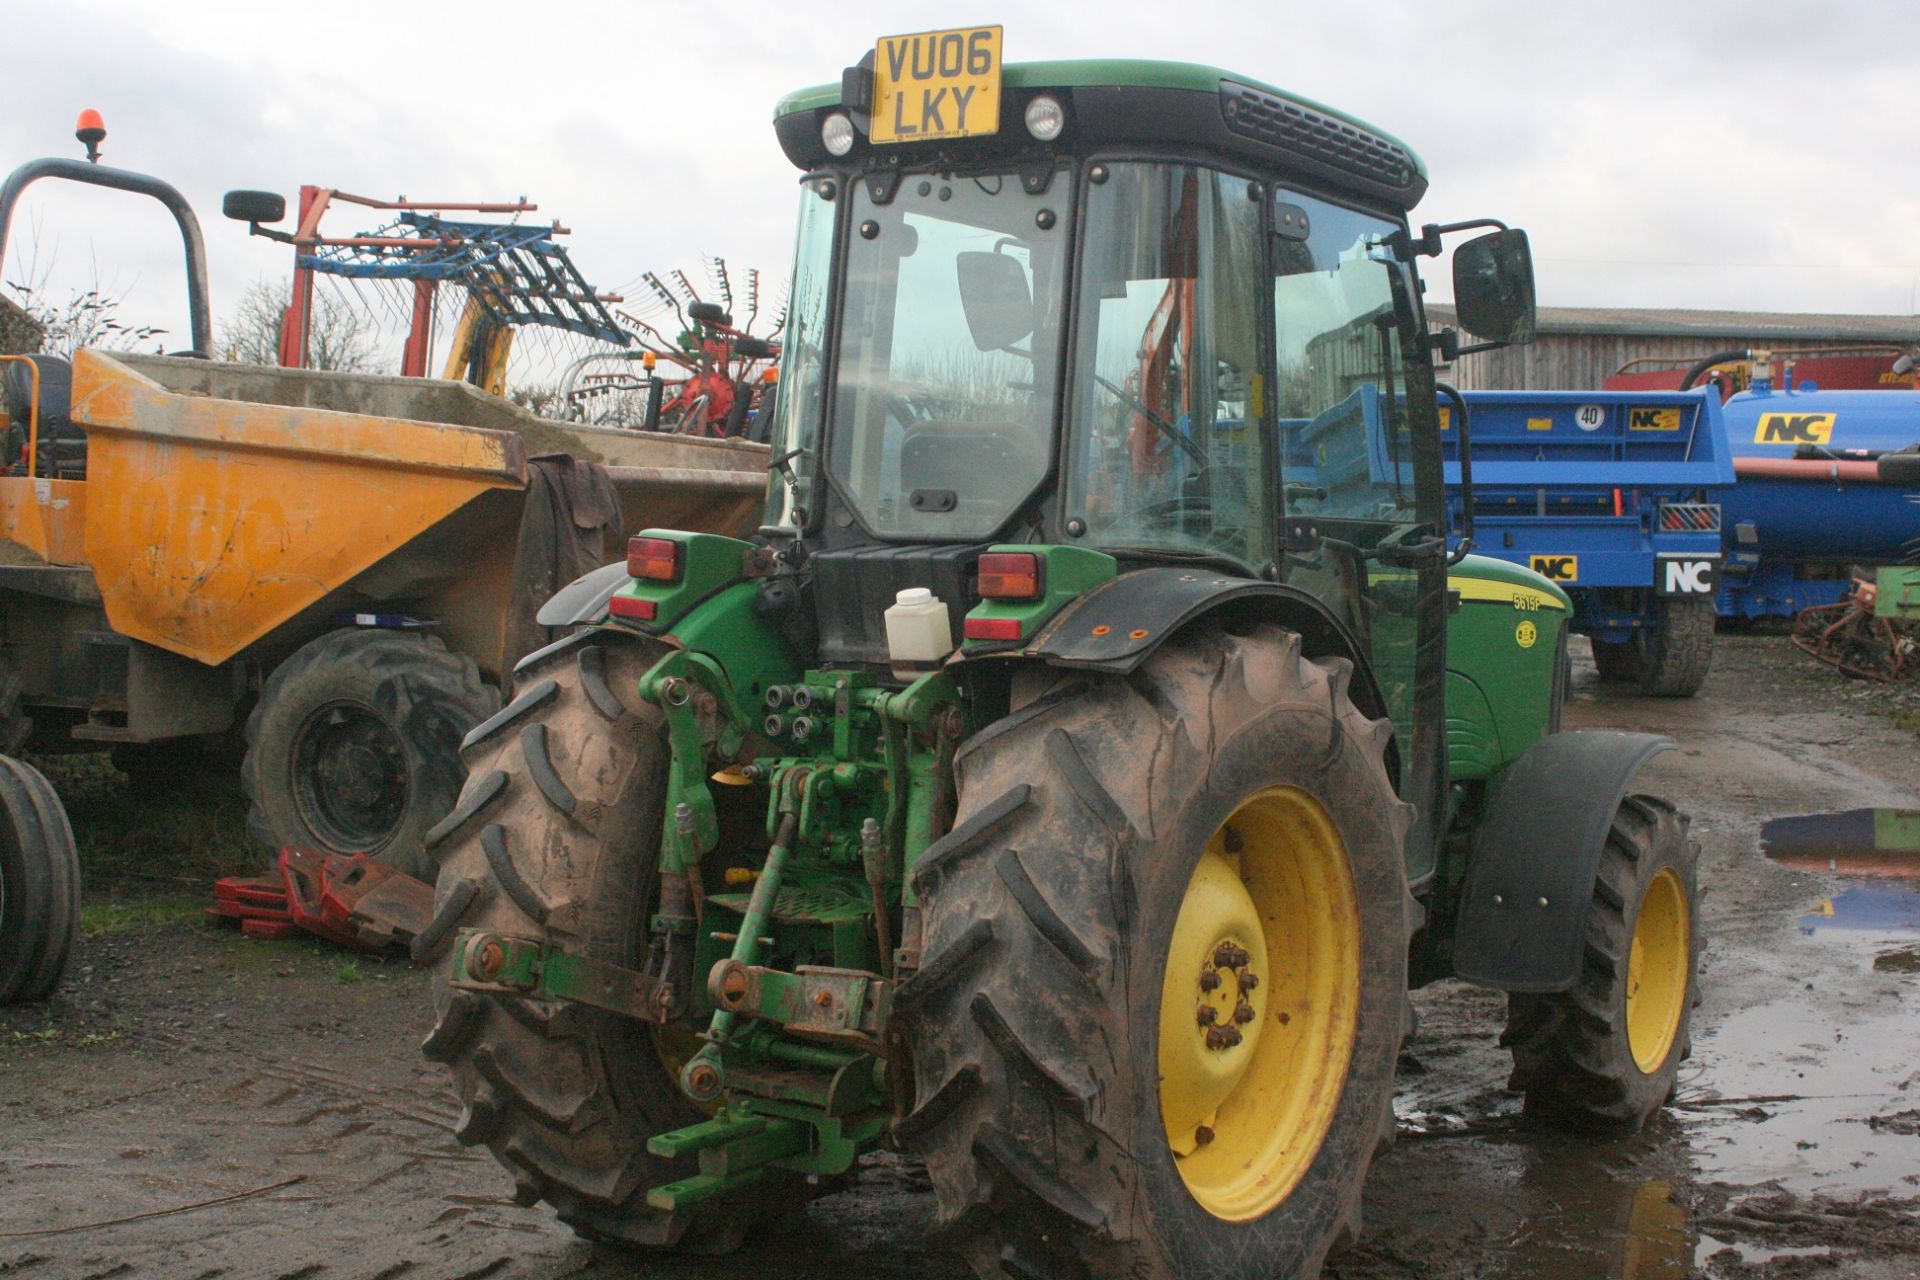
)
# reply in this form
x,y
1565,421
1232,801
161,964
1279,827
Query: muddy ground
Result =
x,y
262,1104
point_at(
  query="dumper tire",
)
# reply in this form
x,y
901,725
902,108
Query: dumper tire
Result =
x,y
1675,658
1054,914
1617,661
1582,1057
39,885
15,726
556,838
382,710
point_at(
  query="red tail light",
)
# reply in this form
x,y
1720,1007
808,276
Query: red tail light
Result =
x,y
1010,575
637,610
991,628
654,559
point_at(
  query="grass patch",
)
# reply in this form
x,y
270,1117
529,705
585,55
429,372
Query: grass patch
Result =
x,y
188,835
117,916
348,972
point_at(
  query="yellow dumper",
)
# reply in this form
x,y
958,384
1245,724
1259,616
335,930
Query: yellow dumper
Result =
x,y
350,562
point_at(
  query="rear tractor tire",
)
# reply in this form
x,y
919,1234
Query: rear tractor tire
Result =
x,y
1163,985
354,746
1604,1056
39,885
556,836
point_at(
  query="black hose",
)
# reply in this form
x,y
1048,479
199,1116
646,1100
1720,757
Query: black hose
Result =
x,y
1699,370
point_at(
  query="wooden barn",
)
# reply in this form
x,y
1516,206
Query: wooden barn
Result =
x,y
1577,347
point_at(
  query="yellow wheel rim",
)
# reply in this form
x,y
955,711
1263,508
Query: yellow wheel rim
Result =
x,y
1657,970
1259,1004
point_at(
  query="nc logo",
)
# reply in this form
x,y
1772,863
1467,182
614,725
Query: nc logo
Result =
x,y
1556,568
1794,428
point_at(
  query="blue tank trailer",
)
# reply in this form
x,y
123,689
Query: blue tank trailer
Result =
x,y
1812,503
1615,496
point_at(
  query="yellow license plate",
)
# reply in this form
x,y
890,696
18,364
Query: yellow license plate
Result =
x,y
936,84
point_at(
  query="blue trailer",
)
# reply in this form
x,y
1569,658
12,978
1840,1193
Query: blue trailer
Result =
x,y
1616,497
1811,506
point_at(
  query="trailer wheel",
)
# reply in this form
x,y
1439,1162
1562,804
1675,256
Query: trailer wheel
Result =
x,y
39,885
1617,661
1164,981
1604,1055
1674,661
354,746
566,1095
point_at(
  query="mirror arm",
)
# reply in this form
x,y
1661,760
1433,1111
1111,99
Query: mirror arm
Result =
x,y
271,233
1427,244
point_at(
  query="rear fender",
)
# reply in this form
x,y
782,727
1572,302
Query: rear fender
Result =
x,y
1119,624
1529,884
584,600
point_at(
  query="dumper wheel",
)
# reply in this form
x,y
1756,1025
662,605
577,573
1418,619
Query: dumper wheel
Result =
x,y
39,885
1604,1055
354,746
15,726
1617,661
1674,660
1163,985
557,836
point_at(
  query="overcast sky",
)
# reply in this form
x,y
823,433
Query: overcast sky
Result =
x,y
1758,155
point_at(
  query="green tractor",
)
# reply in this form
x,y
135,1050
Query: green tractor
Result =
x,y
1108,906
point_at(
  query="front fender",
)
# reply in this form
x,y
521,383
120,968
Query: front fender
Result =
x,y
1529,886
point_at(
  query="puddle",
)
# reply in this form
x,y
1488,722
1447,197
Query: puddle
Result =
x,y
1854,843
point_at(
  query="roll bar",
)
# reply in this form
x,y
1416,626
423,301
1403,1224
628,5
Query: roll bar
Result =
x,y
200,318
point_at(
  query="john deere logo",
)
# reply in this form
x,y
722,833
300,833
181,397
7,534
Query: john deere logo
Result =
x,y
1526,634
1794,428
1556,568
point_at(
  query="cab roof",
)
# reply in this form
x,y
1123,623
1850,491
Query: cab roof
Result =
x,y
1119,100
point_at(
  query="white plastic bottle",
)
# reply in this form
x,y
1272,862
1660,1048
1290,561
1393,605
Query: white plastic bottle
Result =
x,y
919,633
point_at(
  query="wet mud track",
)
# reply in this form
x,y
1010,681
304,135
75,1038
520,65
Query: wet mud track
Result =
x,y
271,1120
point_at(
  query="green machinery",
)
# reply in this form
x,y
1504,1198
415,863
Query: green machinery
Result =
x,y
1099,740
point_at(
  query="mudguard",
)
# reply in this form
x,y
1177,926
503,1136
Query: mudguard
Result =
x,y
1529,884
585,598
1116,626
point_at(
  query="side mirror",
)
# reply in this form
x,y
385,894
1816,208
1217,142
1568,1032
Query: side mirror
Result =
x,y
995,297
1904,365
1493,287
254,206
1900,468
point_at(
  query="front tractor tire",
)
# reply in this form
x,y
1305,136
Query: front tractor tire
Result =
x,y
1163,985
354,746
1603,1056
556,836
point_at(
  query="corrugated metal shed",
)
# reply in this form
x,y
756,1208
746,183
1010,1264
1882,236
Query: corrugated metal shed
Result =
x,y
1575,348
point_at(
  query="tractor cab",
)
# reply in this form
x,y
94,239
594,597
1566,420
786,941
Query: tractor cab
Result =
x,y
1155,312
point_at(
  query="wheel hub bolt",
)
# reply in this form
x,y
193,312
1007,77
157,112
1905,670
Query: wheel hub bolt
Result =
x,y
1209,980
1208,1014
1249,980
1243,1012
1228,956
1203,1135
1231,1035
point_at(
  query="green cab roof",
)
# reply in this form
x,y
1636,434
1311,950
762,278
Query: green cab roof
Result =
x,y
1121,73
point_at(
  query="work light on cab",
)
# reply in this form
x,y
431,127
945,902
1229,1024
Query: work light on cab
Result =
x,y
1009,575
836,134
654,559
1045,118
